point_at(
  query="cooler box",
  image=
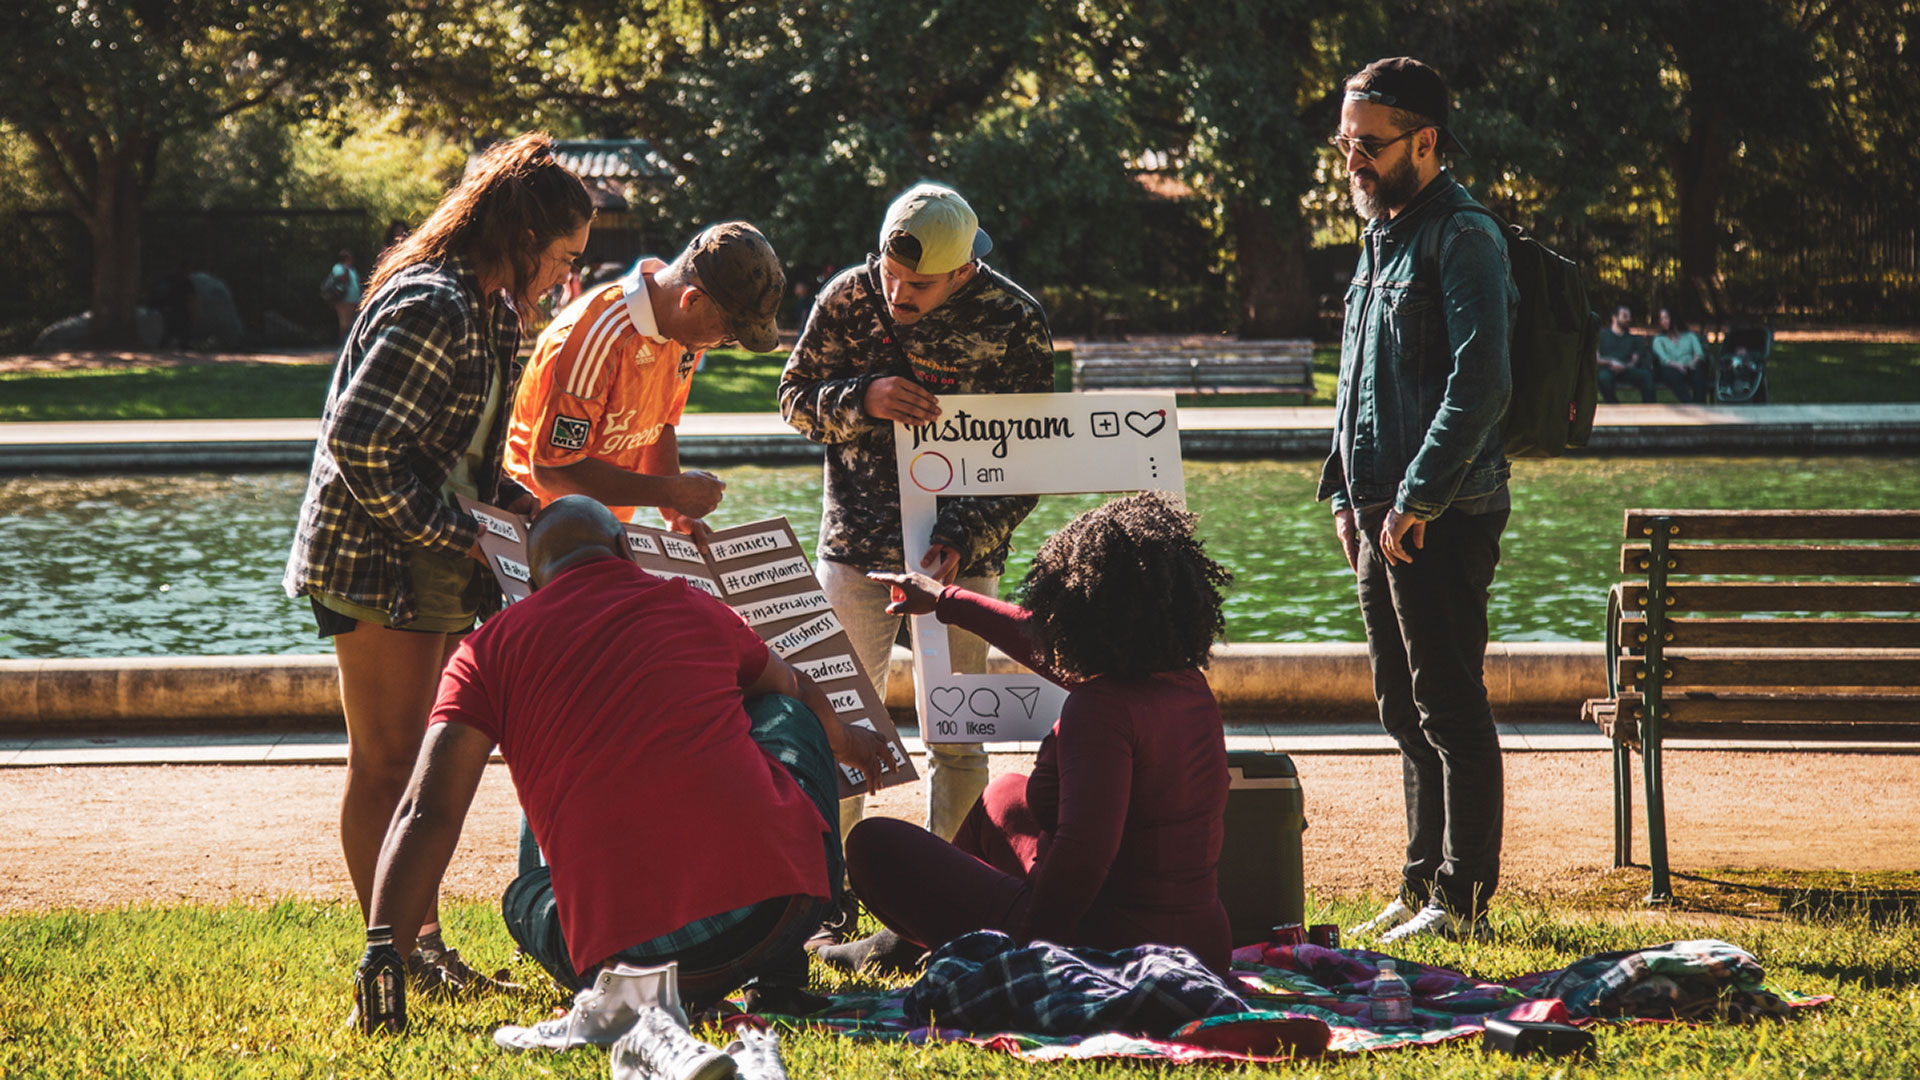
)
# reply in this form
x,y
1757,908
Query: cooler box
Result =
x,y
1262,880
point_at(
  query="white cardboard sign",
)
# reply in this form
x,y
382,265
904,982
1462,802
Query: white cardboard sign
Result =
x,y
1017,444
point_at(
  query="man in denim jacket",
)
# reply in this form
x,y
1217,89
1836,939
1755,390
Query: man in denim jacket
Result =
x,y
1419,482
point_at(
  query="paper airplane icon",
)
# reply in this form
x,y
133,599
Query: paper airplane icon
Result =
x,y
1026,696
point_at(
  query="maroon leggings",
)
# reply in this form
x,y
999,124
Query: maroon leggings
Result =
x,y
929,891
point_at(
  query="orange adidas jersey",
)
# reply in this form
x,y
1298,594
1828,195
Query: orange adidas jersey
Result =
x,y
598,385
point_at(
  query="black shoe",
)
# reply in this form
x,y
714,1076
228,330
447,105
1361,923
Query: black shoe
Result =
x,y
885,953
785,1000
841,924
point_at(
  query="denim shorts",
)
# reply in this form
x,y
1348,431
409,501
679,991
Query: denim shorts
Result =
x,y
446,589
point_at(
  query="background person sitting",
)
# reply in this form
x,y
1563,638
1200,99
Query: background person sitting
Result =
x,y
1682,359
684,795
1623,357
1114,839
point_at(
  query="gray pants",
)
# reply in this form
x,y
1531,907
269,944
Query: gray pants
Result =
x,y
956,772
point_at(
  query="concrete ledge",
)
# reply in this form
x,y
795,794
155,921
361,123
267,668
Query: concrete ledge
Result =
x,y
172,692
1255,683
727,438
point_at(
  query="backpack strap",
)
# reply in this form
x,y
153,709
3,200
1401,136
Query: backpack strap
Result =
x,y
890,334
1427,259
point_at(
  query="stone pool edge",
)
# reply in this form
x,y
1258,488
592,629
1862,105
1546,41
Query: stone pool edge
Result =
x,y
1256,684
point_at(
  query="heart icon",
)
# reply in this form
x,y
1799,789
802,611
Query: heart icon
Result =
x,y
1146,423
946,698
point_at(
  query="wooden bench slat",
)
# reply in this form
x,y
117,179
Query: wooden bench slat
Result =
x,y
1894,710
1847,669
1780,524
1779,633
1813,731
1804,560
1780,596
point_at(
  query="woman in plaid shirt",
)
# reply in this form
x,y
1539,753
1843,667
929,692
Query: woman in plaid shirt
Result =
x,y
415,416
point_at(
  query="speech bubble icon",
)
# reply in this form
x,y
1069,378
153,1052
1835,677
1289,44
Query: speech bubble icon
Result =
x,y
984,702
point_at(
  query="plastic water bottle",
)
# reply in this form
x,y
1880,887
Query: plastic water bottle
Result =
x,y
380,985
1390,1001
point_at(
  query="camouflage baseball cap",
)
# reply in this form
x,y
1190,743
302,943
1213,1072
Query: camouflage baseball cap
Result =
x,y
738,269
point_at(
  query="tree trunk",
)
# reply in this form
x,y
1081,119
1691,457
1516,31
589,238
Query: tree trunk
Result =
x,y
117,198
1276,299
1700,178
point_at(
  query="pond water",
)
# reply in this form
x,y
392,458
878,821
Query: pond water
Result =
x,y
188,564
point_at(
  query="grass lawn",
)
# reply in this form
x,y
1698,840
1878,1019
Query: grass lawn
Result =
x,y
262,990
1800,372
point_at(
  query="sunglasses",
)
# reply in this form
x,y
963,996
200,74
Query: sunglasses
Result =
x,y
1369,147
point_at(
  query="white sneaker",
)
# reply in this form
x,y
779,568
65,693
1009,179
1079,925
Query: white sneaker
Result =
x,y
1436,921
658,1048
757,1055
602,1012
1390,916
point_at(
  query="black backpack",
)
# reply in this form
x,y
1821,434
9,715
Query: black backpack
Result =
x,y
1555,335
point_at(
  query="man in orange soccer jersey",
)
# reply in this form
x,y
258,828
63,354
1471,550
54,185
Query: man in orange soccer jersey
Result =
x,y
609,376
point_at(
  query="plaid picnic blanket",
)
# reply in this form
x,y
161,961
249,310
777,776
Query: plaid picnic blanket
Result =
x,y
1292,990
985,981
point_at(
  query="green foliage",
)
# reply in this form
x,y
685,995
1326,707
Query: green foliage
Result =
x,y
251,989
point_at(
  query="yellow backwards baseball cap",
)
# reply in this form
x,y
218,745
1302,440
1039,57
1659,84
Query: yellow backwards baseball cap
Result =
x,y
930,229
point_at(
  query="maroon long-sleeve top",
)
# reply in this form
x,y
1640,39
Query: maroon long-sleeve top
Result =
x,y
1129,793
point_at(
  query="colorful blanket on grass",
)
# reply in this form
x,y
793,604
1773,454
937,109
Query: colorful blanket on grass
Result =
x,y
1291,989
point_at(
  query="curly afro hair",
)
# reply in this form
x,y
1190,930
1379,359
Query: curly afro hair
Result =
x,y
1126,590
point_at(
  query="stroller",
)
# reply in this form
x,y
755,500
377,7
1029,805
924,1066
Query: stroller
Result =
x,y
1740,369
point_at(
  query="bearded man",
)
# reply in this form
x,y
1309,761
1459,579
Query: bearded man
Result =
x,y
1419,483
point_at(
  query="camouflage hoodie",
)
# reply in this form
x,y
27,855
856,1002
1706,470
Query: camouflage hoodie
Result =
x,y
990,337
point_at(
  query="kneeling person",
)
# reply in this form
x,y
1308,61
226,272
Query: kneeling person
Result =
x,y
684,795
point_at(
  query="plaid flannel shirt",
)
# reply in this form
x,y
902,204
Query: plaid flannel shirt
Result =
x,y
985,981
407,394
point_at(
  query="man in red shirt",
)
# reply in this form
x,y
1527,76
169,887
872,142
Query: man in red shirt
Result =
x,y
677,774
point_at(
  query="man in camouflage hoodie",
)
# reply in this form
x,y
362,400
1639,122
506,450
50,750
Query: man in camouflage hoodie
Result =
x,y
923,318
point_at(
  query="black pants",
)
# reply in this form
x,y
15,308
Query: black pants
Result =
x,y
1633,376
1427,637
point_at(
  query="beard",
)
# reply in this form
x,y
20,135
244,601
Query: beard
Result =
x,y
1390,192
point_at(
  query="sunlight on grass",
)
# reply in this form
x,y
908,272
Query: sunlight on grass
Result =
x,y
262,989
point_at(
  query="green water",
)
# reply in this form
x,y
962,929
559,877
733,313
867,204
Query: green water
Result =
x,y
190,564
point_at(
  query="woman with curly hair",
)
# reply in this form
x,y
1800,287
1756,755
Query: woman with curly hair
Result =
x,y
1112,841
414,418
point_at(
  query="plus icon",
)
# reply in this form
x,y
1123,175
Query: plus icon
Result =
x,y
1105,424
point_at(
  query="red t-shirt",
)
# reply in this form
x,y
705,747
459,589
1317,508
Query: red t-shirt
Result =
x,y
614,696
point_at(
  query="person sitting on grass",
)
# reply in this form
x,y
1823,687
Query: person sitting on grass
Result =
x,y
1113,840
678,775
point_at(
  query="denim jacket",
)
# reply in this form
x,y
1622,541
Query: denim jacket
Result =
x,y
1424,379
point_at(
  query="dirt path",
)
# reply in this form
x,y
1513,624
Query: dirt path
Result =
x,y
109,359
94,837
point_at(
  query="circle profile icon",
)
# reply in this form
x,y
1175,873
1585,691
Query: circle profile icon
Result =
x,y
931,471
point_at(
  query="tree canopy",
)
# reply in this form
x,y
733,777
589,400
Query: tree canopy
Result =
x,y
1114,149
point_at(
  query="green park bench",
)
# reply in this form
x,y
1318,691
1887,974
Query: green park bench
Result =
x,y
1222,367
1822,645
